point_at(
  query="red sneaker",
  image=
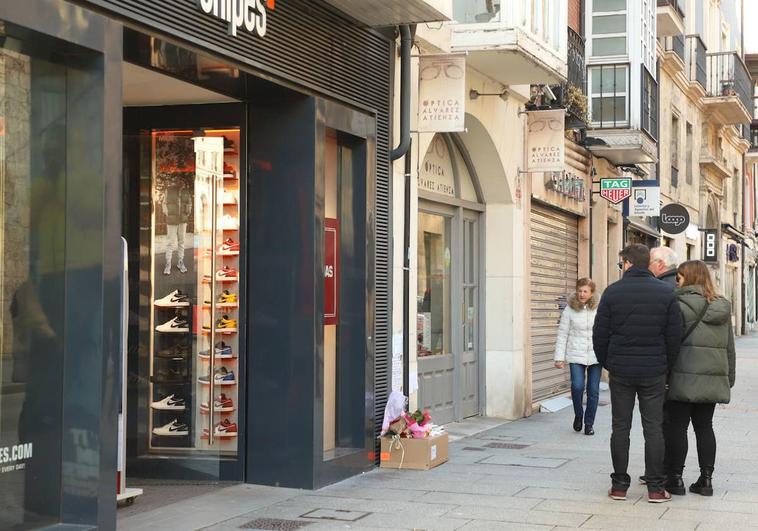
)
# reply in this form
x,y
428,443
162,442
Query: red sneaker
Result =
x,y
660,496
617,494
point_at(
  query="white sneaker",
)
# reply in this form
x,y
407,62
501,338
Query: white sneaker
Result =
x,y
175,299
167,269
172,429
180,266
228,198
228,222
175,325
170,403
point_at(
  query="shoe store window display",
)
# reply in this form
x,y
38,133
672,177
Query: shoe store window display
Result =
x,y
574,346
195,274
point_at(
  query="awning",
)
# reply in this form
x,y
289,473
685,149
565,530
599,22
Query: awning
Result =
x,y
644,228
732,231
377,13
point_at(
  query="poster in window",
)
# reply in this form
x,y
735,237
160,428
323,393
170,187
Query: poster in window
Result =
x,y
331,271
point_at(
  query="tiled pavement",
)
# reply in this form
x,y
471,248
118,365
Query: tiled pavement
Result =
x,y
558,481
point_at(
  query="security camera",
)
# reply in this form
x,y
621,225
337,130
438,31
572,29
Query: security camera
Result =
x,y
548,93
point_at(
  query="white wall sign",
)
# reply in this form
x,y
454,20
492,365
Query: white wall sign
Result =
x,y
545,142
436,171
645,201
442,93
250,14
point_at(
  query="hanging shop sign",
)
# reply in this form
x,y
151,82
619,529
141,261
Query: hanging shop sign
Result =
x,y
645,201
331,271
616,189
710,245
674,219
566,184
545,141
442,93
248,14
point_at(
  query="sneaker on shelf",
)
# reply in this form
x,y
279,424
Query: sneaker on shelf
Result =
x,y
225,427
170,403
222,351
228,198
228,222
172,429
229,247
220,404
181,267
169,376
229,171
229,145
226,273
220,375
224,323
175,299
226,297
177,352
176,325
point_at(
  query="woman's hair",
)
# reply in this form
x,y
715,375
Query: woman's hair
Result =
x,y
696,273
585,281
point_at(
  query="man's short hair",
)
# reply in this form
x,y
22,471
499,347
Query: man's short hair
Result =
x,y
665,255
636,254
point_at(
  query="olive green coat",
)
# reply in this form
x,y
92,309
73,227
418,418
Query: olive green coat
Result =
x,y
704,370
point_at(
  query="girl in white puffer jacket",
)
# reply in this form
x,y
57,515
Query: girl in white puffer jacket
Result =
x,y
574,345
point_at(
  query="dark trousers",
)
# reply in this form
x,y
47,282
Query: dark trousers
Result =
x,y
678,416
651,393
589,374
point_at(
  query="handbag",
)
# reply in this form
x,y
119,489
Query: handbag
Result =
x,y
696,321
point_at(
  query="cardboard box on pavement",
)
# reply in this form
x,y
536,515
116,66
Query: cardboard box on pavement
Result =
x,y
414,454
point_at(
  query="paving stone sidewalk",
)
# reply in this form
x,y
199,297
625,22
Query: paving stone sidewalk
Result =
x,y
544,477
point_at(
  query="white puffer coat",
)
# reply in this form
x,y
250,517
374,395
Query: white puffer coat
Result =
x,y
574,342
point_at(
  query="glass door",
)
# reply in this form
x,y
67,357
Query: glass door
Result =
x,y
185,333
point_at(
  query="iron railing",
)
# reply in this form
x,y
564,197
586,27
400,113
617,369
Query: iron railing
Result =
x,y
649,105
674,44
577,73
609,96
728,76
694,60
673,3
754,136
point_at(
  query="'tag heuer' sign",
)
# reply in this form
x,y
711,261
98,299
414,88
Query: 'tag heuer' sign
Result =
x,y
616,189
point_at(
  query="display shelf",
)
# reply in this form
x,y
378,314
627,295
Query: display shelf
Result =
x,y
225,384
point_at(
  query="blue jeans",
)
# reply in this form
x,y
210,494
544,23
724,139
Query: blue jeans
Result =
x,y
593,390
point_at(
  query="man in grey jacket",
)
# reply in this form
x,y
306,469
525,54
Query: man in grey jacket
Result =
x,y
663,264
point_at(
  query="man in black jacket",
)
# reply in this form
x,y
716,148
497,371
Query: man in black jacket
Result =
x,y
636,336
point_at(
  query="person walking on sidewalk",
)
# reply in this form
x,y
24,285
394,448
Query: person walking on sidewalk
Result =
x,y
702,376
574,345
637,335
663,262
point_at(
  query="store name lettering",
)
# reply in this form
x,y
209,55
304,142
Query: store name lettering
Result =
x,y
445,109
250,14
546,155
567,184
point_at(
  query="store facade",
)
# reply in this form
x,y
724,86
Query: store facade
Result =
x,y
246,166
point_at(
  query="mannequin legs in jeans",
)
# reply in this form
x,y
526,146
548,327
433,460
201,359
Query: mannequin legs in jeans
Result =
x,y
581,374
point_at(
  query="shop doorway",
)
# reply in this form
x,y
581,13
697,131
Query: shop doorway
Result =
x,y
448,303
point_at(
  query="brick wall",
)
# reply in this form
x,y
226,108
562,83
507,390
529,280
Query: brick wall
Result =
x,y
575,15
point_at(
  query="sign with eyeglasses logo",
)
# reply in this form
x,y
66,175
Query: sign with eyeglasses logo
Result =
x,y
616,189
441,92
545,141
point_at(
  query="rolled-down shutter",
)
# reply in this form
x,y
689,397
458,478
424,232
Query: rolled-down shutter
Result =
x,y
554,270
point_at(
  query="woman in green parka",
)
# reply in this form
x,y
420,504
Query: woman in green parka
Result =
x,y
702,377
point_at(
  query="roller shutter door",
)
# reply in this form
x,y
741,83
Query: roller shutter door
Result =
x,y
554,270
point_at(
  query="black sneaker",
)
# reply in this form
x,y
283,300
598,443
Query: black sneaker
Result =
x,y
177,352
169,376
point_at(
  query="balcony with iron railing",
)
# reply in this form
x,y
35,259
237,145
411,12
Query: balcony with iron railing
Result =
x,y
575,92
695,64
670,17
513,41
673,53
729,89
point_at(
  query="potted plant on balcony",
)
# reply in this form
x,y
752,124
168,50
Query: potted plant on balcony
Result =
x,y
727,88
577,116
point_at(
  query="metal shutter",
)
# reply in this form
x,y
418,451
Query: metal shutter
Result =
x,y
554,270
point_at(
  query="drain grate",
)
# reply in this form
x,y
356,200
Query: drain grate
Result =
x,y
474,449
274,524
507,446
342,515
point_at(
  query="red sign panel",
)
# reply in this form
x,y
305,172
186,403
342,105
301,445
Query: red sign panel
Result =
x,y
331,271
616,189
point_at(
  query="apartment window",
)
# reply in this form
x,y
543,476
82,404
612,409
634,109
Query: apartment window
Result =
x,y
674,150
689,146
609,28
609,95
736,182
690,251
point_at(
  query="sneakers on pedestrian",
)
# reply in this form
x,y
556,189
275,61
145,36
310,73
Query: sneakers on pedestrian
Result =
x,y
222,404
175,299
222,351
170,403
172,429
181,267
659,496
577,424
617,494
176,325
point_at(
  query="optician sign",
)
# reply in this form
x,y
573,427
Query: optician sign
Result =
x,y
545,141
442,93
250,14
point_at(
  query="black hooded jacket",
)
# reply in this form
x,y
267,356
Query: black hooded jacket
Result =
x,y
638,328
